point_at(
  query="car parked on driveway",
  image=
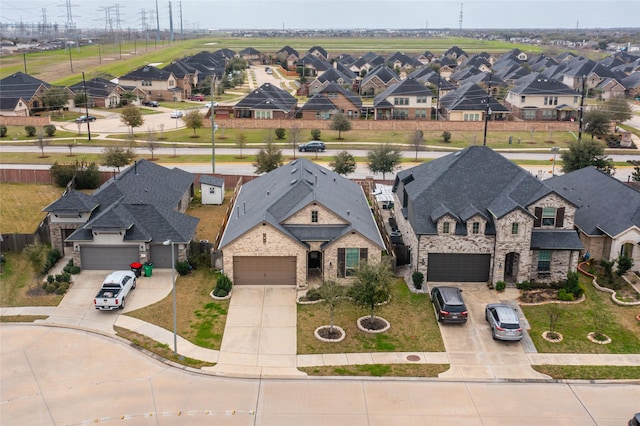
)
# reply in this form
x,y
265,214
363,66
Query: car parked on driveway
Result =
x,y
313,146
85,118
449,304
153,104
504,322
176,114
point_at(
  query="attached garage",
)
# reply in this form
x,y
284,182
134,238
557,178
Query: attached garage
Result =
x,y
160,255
450,267
108,257
264,270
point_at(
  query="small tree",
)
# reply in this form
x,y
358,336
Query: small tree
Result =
x,y
132,117
372,285
607,266
624,264
554,312
341,123
332,294
597,122
3,131
55,98
193,120
30,130
584,154
41,142
71,145
152,145
417,140
618,109
241,142
446,136
280,133
268,158
384,159
295,136
418,278
343,163
113,156
315,134
49,130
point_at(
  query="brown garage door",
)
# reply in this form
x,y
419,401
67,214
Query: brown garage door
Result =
x,y
446,267
264,270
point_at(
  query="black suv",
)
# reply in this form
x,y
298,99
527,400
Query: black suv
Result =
x,y
312,146
449,304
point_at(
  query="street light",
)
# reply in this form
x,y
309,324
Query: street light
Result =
x,y
173,282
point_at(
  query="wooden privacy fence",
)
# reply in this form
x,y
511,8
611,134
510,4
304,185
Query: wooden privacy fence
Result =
x,y
17,242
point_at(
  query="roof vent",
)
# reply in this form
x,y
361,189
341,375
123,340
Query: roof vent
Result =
x,y
294,181
293,171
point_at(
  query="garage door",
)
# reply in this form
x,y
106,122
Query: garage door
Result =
x,y
108,257
160,255
446,267
264,270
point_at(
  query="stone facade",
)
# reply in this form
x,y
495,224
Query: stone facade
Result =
x,y
57,235
507,241
330,254
325,216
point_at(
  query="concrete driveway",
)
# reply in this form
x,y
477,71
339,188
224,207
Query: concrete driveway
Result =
x,y
473,353
77,309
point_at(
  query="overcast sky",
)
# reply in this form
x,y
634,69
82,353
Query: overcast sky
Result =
x,y
332,14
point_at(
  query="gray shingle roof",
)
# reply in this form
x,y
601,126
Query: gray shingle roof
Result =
x,y
474,179
551,239
147,72
73,202
270,97
212,180
275,196
407,87
605,205
470,97
543,86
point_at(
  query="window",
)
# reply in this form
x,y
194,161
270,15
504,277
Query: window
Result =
x,y
514,228
546,100
529,114
549,216
523,99
575,99
332,95
212,190
544,261
445,228
349,260
548,114
475,227
314,216
421,99
471,117
401,101
555,100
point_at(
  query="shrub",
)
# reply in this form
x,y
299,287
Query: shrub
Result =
x,y
624,264
524,285
500,286
280,133
565,295
31,130
50,287
418,278
62,173
315,134
52,258
446,136
49,130
75,270
223,282
62,288
3,131
50,278
572,285
312,295
183,267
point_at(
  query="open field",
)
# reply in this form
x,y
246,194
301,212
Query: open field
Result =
x,y
22,204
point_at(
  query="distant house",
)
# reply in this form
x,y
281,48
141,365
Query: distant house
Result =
x,y
332,75
471,103
290,56
407,99
378,80
101,93
543,99
187,76
251,55
127,219
266,102
318,52
156,83
212,189
331,100
21,94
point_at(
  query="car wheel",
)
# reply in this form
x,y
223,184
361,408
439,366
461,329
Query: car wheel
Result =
x,y
134,284
493,334
486,317
302,150
122,304
439,318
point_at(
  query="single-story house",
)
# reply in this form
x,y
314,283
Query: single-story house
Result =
x,y
266,102
127,219
297,222
212,189
474,216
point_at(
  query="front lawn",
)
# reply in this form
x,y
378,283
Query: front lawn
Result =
x,y
22,204
413,326
578,320
19,285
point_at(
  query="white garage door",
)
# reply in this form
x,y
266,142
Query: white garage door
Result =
x,y
108,257
264,270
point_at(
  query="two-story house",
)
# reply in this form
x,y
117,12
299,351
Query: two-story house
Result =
x,y
378,80
407,99
21,94
266,102
329,101
470,102
543,99
474,216
156,83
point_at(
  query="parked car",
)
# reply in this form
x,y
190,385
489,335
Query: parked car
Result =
x,y
504,322
449,304
115,288
312,146
635,421
197,97
85,118
176,114
208,105
153,104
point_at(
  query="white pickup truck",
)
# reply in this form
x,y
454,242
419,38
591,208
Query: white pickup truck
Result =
x,y
114,290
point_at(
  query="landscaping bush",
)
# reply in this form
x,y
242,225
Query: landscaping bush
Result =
x,y
418,278
62,173
312,295
524,285
315,134
3,131
624,264
70,268
52,258
446,136
49,130
565,295
31,130
62,288
223,286
572,286
50,278
500,286
183,267
280,133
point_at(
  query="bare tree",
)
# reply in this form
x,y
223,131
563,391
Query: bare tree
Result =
x,y
152,144
295,136
175,146
71,146
241,142
417,140
41,142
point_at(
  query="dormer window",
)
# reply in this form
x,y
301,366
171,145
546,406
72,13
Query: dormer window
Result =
x,y
314,216
475,228
549,216
445,228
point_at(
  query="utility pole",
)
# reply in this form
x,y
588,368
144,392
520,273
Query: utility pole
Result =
x,y
157,24
213,124
86,106
580,122
171,38
487,113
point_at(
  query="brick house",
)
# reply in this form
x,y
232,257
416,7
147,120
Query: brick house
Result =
x,y
156,83
297,222
407,99
21,94
101,93
543,99
330,100
474,216
266,102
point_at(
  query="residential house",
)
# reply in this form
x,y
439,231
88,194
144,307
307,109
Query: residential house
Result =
x,y
211,189
318,52
407,99
297,223
330,100
425,57
471,103
474,216
543,99
632,85
127,219
187,76
332,75
251,55
101,93
266,102
366,62
289,56
378,80
22,94
402,64
457,54
608,212
156,83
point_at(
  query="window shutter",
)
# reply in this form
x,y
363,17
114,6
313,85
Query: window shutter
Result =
x,y
560,217
364,254
538,220
341,260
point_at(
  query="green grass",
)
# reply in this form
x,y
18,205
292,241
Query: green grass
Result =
x,y
20,286
22,204
405,310
379,370
577,320
590,372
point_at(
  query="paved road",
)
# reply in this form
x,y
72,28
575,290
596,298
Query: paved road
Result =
x,y
58,376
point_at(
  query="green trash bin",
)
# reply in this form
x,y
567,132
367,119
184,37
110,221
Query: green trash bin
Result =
x,y
148,269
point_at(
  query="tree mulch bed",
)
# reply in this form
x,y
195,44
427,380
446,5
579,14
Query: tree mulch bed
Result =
x,y
329,334
538,295
373,324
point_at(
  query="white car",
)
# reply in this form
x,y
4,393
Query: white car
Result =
x,y
176,114
208,105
